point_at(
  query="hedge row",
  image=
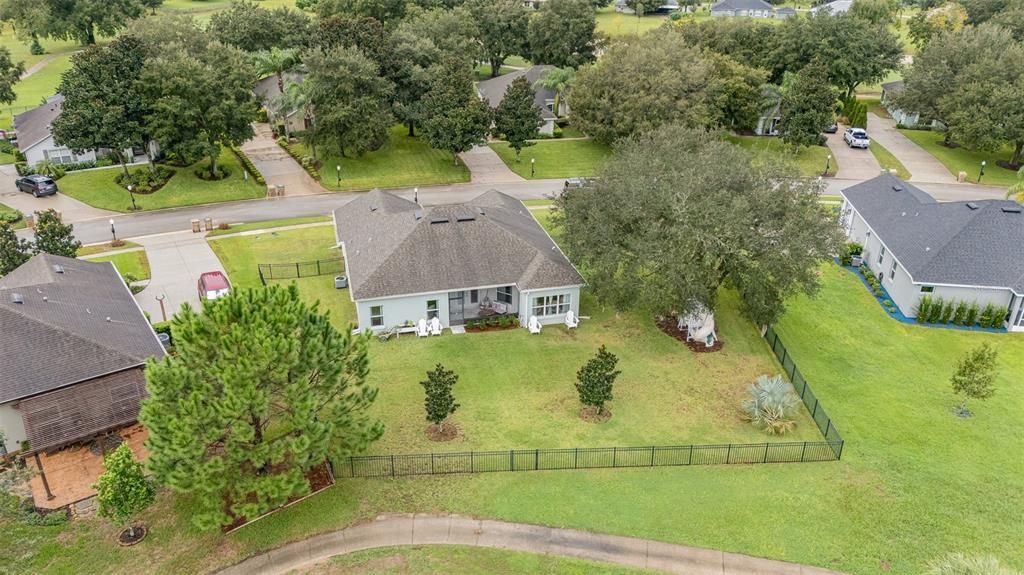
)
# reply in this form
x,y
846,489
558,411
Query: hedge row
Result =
x,y
307,162
939,311
249,166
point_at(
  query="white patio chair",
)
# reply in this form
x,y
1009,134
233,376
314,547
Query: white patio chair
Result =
x,y
571,321
421,328
435,326
534,325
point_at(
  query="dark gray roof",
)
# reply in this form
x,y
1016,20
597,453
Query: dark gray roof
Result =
x,y
267,88
493,90
834,7
395,247
893,86
70,327
975,243
33,126
741,5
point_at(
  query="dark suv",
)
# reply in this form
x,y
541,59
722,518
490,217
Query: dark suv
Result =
x,y
37,185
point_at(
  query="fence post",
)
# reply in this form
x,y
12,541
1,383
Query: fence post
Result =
x,y
536,459
472,468
652,456
689,458
728,454
828,428
297,270
511,460
815,410
765,460
840,454
575,457
785,354
431,463
318,267
615,451
802,451
352,465
792,373
392,466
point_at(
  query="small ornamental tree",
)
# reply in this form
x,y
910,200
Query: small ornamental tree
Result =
x,y
14,251
517,117
123,490
974,376
595,379
439,401
54,236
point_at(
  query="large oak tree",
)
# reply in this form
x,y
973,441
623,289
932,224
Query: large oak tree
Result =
x,y
561,33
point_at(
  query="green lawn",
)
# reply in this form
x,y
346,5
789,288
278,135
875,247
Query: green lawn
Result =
x,y
556,158
431,560
402,162
32,91
129,263
100,248
810,160
888,161
962,159
249,226
6,210
98,188
6,158
614,23
483,72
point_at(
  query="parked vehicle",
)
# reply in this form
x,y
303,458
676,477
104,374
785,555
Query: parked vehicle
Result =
x,y
856,138
832,128
213,285
37,185
575,183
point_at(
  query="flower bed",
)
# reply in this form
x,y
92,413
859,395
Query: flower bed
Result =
x,y
493,323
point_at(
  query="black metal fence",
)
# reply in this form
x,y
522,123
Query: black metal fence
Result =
x,y
300,269
803,389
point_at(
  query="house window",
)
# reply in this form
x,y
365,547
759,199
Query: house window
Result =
x,y
551,305
927,289
474,296
432,308
505,294
59,156
881,255
377,316
892,270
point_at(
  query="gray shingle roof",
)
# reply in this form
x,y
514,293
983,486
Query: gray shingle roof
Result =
x,y
741,5
390,252
834,7
894,86
70,327
973,243
33,126
493,90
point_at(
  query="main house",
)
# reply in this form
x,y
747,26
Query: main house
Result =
x,y
493,90
488,256
268,90
962,251
748,8
73,343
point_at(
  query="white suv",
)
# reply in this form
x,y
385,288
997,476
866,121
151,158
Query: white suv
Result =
x,y
856,138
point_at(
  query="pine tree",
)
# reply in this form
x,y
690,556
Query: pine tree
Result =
x,y
595,379
123,490
14,251
439,401
517,117
54,236
262,389
974,376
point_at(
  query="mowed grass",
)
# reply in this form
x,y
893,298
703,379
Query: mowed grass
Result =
x,y
135,264
556,158
7,213
888,161
268,224
100,248
614,23
402,162
98,188
33,91
464,560
809,160
962,159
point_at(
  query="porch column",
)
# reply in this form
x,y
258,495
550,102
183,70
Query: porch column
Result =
x,y
1015,313
42,475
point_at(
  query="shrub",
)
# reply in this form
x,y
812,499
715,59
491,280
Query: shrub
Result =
x,y
960,313
947,311
971,316
248,166
22,168
145,181
220,173
923,308
556,132
935,312
998,316
771,404
261,116
986,315
960,564
854,248
11,217
887,302
845,258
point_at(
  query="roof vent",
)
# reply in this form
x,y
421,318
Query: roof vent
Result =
x,y
465,218
1011,209
57,268
373,207
972,206
438,220
418,215
897,188
17,298
480,211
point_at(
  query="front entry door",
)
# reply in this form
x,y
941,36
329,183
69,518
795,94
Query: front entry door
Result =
x,y
456,308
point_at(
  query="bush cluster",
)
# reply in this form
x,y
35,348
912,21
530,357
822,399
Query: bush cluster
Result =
x,y
856,112
935,310
849,250
145,181
219,173
249,166
494,321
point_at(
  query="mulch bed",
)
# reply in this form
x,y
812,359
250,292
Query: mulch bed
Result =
x,y
126,539
1008,165
447,432
589,413
490,328
319,478
668,326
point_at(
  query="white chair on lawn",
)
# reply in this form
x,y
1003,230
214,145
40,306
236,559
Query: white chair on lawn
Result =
x,y
435,326
421,328
571,321
534,324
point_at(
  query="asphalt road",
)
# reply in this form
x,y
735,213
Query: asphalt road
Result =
x,y
97,229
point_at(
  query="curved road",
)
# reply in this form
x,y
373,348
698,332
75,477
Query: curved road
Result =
x,y
426,529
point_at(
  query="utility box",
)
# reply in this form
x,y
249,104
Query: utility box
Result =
x,y
196,227
280,190
961,177
208,224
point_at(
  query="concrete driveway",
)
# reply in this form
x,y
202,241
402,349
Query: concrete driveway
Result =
x,y
71,209
485,167
277,166
176,261
923,167
854,163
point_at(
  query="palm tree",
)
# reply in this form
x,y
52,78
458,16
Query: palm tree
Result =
x,y
1016,191
560,80
299,96
276,61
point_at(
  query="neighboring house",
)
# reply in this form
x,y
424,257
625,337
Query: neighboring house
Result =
x,y
749,8
785,12
268,92
35,139
73,343
455,262
962,251
835,8
493,92
665,7
768,123
902,118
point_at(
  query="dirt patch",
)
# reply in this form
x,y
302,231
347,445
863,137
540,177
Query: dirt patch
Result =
x,y
669,326
445,432
590,414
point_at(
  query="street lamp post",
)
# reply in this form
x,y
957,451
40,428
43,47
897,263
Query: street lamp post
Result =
x,y
113,232
982,172
828,163
134,207
416,195
338,170
533,166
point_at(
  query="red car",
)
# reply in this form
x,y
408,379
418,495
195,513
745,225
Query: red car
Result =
x,y
213,285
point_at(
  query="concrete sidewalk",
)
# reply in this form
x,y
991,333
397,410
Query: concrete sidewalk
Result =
x,y
854,163
485,167
427,529
175,261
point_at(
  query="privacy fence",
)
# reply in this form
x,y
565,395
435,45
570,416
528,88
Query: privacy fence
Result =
x,y
300,269
615,457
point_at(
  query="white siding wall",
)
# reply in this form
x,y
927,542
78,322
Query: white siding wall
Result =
x,y
37,153
12,426
398,310
526,300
